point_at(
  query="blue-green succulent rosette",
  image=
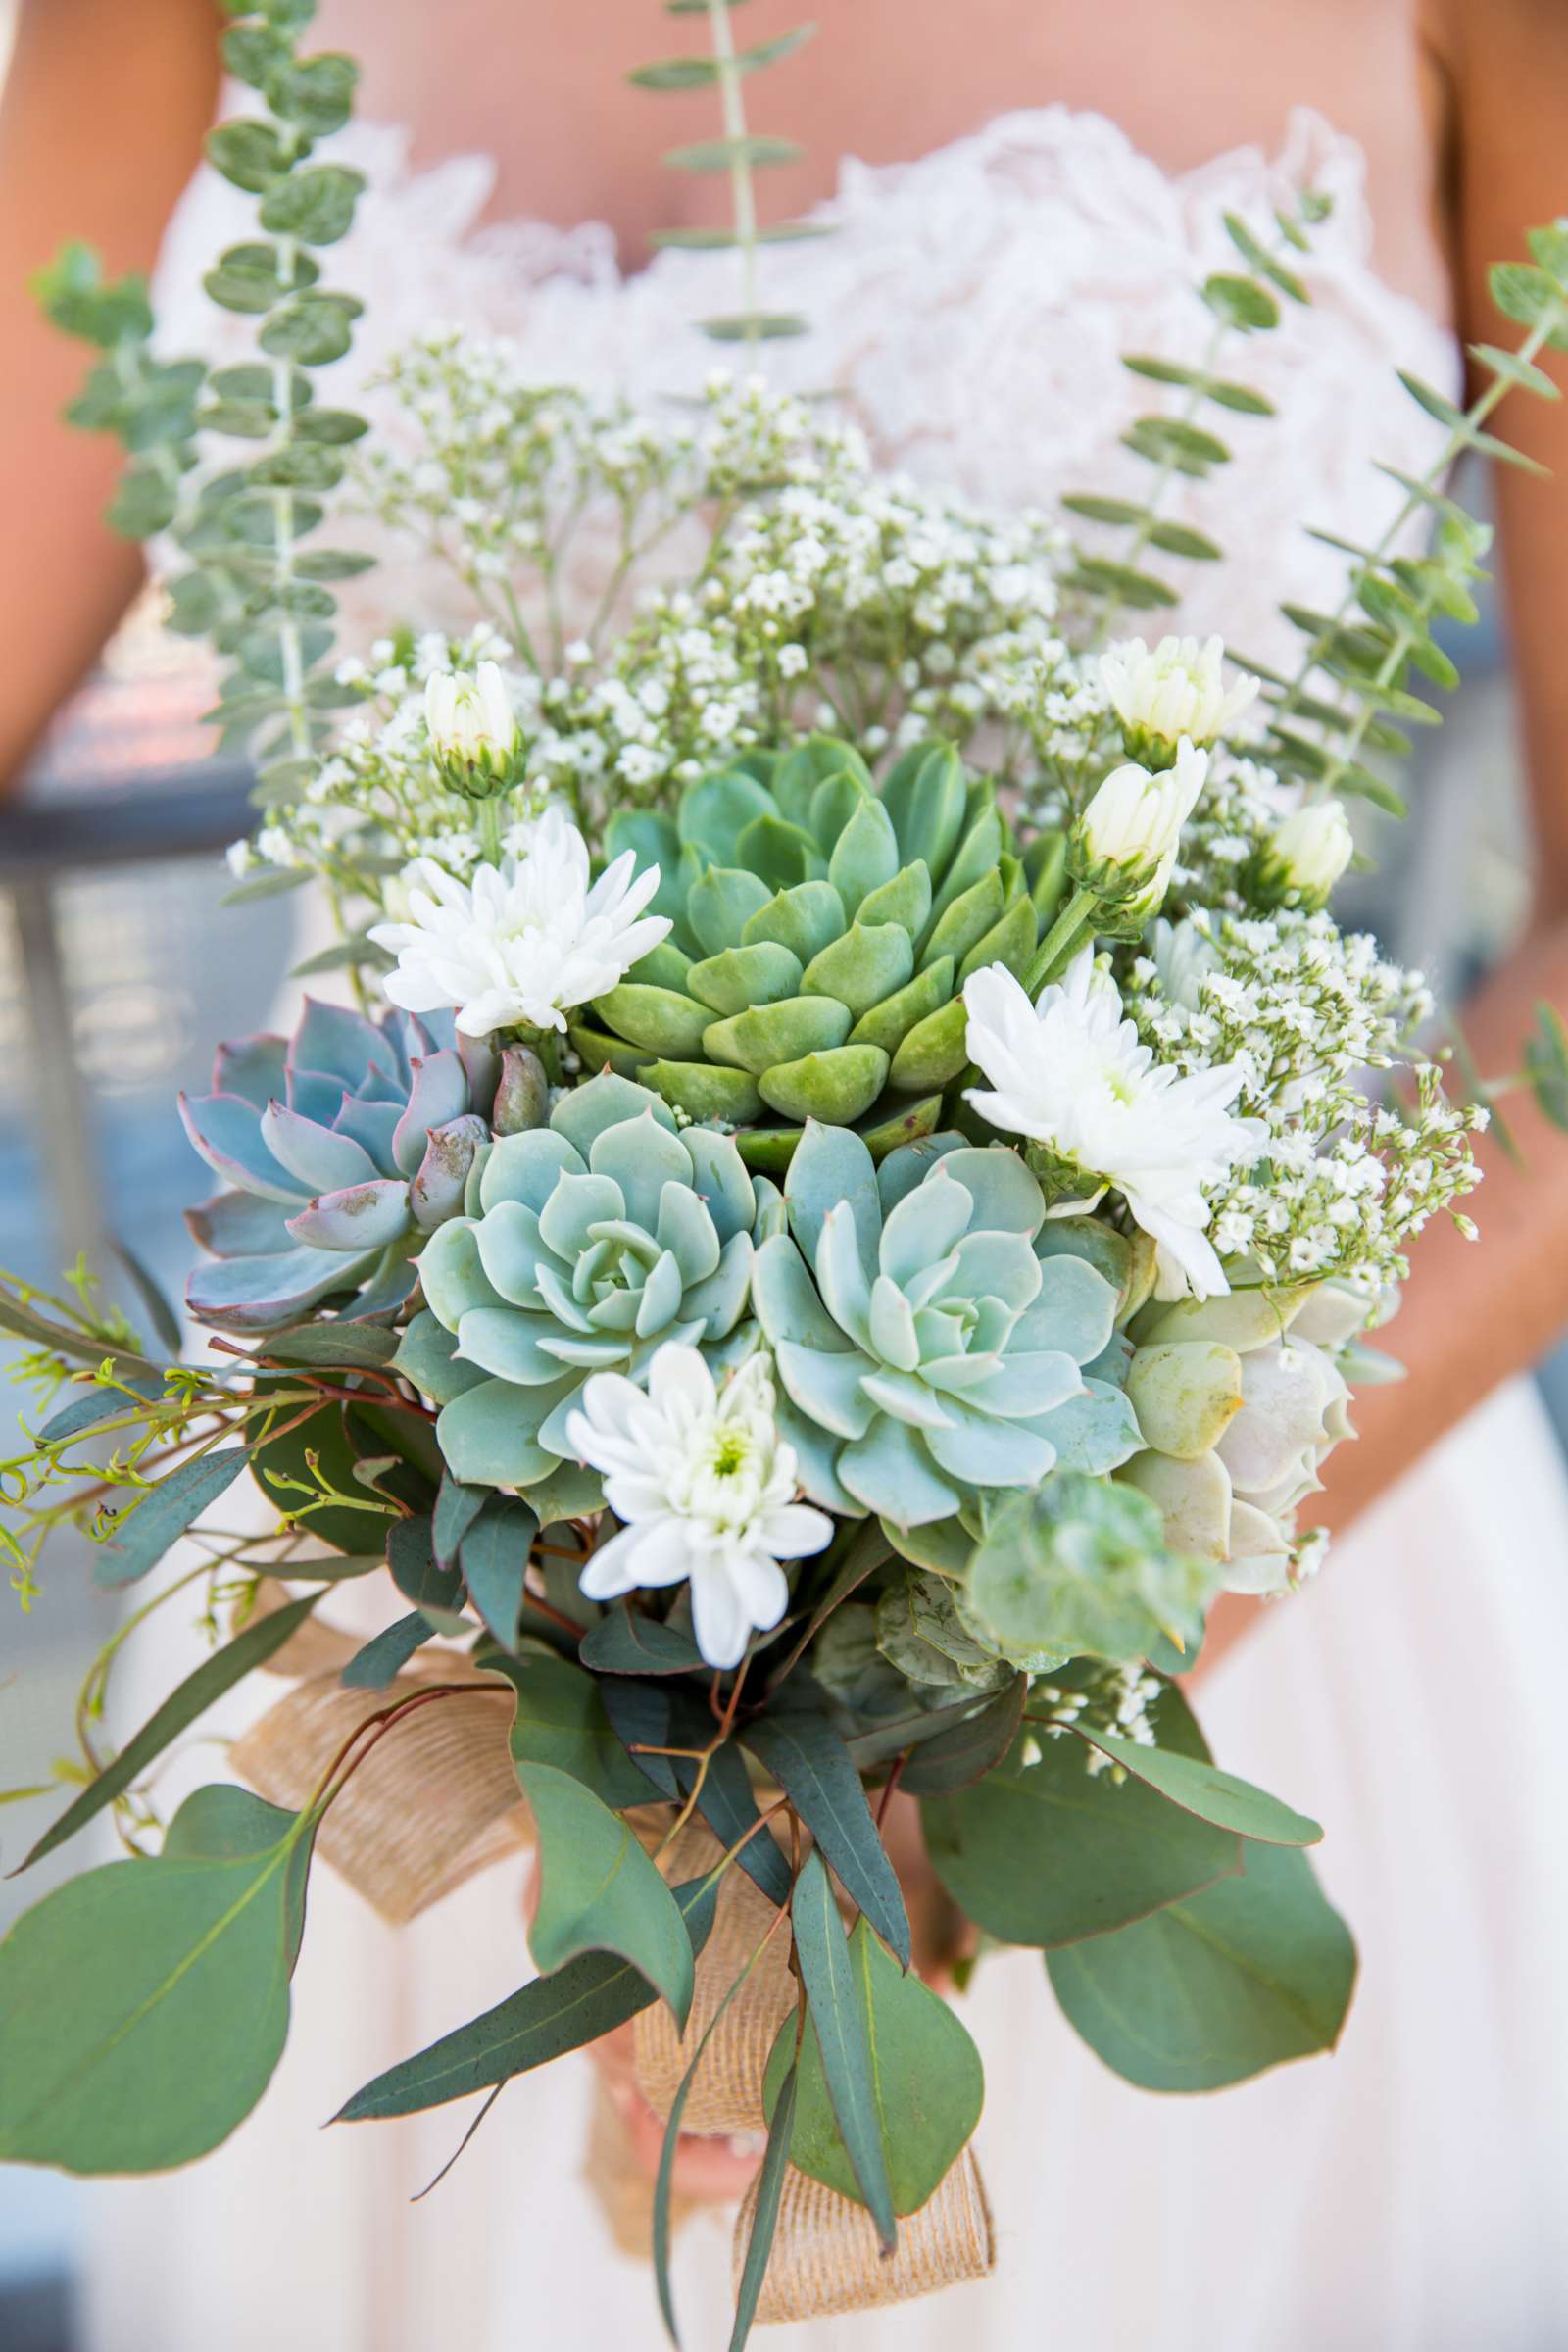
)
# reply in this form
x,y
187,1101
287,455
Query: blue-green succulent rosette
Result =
x,y
936,1336
341,1148
588,1243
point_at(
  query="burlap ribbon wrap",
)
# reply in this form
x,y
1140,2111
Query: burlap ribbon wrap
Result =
x,y
436,1800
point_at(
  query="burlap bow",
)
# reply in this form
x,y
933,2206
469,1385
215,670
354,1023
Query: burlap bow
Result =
x,y
437,1800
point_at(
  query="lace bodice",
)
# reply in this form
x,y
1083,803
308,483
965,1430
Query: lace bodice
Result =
x,y
969,312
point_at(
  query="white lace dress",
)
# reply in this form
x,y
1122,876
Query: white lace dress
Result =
x,y
1409,2195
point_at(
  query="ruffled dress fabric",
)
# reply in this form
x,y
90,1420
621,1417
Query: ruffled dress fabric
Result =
x,y
1409,2195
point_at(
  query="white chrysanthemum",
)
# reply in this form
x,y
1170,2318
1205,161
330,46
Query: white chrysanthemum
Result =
x,y
706,1489
1134,820
470,715
1072,1073
1315,847
523,941
1178,688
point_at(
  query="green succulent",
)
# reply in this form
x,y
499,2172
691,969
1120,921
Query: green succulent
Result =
x,y
589,1242
931,1331
822,931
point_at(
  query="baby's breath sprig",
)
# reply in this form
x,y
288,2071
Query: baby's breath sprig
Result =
x,y
740,154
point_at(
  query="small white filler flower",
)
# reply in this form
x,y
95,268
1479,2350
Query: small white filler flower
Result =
x,y
704,1488
1313,846
1176,688
1124,844
1071,1074
524,941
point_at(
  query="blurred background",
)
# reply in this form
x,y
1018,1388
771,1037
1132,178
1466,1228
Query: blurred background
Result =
x,y
119,970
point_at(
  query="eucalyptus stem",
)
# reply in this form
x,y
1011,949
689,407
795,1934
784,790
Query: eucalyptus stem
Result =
x,y
742,186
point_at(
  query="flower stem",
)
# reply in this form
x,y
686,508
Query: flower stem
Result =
x,y
1060,942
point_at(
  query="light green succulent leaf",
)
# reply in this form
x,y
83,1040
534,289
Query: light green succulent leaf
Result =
x,y
827,1388
1009,942
802,919
786,1300
943,1545
769,1034
509,1247
1023,1385
599,1050
1184,1393
908,1399
1006,1197
716,813
719,1174
719,1302
704,1092
1192,1499
892,1325
428,1355
778,853
902,1170
666,967
569,1353
965,919
891,1472
483,1440
887,1024
1242,1319
816,1452
683,1226
863,967
1099,1246
640,1156
740,977
719,905
1075,1310
838,1086
933,1051
841,1275
526,1167
554,1296
975,859
658,1021
927,799
904,900
977,1450
582,1114
1113,1362
1095,1431
661,1296
926,1226
831,1166
996,1266
508,1344
452,1275
908,1123
577,1205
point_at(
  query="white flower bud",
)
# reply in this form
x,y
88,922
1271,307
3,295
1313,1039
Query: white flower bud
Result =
x,y
1176,688
472,726
1315,847
1124,844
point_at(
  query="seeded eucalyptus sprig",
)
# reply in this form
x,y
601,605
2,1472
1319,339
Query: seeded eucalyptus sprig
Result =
x,y
1381,630
1241,303
249,584
738,153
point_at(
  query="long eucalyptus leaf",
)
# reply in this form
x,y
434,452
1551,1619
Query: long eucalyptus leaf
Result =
x,y
811,1764
842,2039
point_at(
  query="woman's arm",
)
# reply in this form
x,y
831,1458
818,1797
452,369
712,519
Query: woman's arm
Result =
x,y
1475,1312
101,125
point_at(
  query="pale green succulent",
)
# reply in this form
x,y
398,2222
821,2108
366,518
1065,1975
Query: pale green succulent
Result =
x,y
823,928
931,1331
589,1242
1240,1400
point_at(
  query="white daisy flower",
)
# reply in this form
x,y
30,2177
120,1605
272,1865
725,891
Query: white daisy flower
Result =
x,y
524,942
705,1488
1072,1074
1175,688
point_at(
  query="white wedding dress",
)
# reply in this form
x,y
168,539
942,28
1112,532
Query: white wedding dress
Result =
x,y
1409,2195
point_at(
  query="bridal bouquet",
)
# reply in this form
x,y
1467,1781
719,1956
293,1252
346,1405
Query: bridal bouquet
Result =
x,y
833,1202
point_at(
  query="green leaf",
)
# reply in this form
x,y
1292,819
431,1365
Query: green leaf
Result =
x,y
651,1714
927,2084
144,2006
1546,1063
1119,581
1254,1972
1106,509
493,1556
416,1572
250,154
811,1764
98,1404
765,2213
599,1891
221,1823
1241,303
386,1653
1080,1566
842,2027
184,1707
456,1507
1175,539
675,74
315,204
575,2005
312,330
626,1641
760,326
561,1721
1171,441
1522,373
1531,297
955,1759
141,1539
1047,1852
1200,1787
719,155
